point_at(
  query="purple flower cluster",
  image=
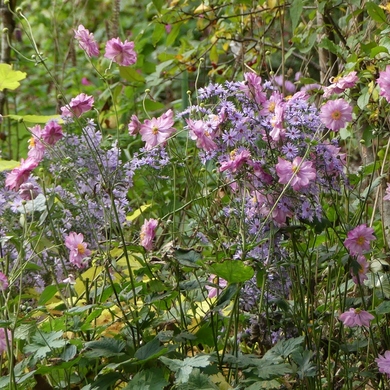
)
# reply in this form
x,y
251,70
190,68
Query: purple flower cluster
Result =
x,y
270,151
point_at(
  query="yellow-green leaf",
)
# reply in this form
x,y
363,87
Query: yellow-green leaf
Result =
x,y
8,165
10,78
36,118
138,212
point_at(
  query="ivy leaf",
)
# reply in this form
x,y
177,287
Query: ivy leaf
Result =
x,y
284,348
10,78
43,343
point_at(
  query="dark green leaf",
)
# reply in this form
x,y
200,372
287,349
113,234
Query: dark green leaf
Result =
x,y
47,294
296,9
151,350
106,347
148,380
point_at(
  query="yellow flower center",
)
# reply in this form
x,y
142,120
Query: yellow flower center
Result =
x,y
81,248
271,107
360,241
336,115
155,130
31,142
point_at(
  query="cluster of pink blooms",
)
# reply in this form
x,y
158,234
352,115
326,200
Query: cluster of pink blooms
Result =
x,y
78,249
148,232
117,51
155,131
40,140
77,106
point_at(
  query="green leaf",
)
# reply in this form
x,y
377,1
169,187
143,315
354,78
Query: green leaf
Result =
x,y
259,385
150,105
377,50
8,165
173,35
69,353
148,380
383,308
106,381
36,118
130,74
198,381
284,348
296,9
47,294
306,368
376,13
106,347
10,78
158,33
183,368
187,257
150,350
233,271
37,204
43,343
158,4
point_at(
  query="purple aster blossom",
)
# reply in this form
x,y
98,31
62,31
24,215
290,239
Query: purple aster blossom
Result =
x,y
307,211
384,83
78,105
78,249
335,114
301,173
356,317
3,282
5,339
215,286
121,52
383,363
148,232
358,239
86,41
290,150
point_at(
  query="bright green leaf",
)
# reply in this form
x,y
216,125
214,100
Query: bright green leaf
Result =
x,y
10,78
130,74
234,271
376,13
296,9
8,165
36,118
47,294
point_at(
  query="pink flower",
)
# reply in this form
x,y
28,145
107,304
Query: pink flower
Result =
x,y
387,196
303,171
384,83
356,317
3,282
78,249
148,232
237,160
384,363
335,114
215,291
358,239
36,147
201,133
340,84
78,105
20,174
4,337
157,131
255,87
52,132
28,191
359,270
134,125
278,130
121,53
87,41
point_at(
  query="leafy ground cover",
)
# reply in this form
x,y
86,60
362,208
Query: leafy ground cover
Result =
x,y
194,195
